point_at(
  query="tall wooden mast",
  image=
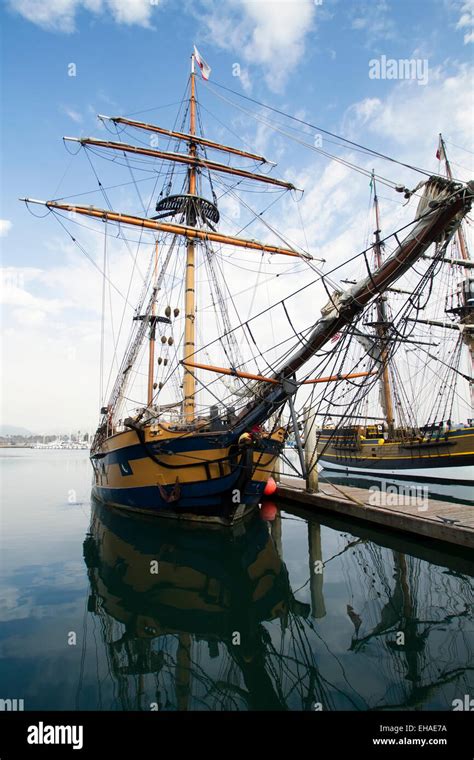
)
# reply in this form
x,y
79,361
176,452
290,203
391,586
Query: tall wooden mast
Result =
x,y
381,305
151,353
189,380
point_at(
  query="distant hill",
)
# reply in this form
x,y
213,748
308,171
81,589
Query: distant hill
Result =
x,y
14,430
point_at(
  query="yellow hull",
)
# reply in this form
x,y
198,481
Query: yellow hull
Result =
x,y
196,475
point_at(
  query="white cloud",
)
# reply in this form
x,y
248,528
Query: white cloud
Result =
x,y
53,316
266,33
466,20
373,18
245,80
359,113
74,115
5,227
131,11
60,15
409,111
27,308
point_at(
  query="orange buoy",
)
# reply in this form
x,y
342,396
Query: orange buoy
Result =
x,y
270,487
268,511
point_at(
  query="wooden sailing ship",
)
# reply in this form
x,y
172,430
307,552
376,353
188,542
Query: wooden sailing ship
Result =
x,y
438,451
212,461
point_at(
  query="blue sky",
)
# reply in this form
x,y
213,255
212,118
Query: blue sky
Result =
x,y
306,58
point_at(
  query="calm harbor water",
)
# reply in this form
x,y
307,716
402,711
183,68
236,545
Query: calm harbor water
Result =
x,y
100,610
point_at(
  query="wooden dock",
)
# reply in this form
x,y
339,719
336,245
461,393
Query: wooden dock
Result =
x,y
430,518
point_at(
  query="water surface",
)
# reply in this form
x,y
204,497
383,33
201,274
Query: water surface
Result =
x,y
103,610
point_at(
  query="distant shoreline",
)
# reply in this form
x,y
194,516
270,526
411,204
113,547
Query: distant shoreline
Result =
x,y
41,448
14,446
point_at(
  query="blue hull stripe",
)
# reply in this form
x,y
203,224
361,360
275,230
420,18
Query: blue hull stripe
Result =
x,y
178,446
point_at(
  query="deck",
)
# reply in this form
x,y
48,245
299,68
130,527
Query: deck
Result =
x,y
430,518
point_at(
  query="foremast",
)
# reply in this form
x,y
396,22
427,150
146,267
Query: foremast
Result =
x,y
382,325
151,352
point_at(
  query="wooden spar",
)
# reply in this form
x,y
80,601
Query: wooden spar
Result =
x,y
331,378
151,352
187,137
382,318
460,233
181,158
437,323
400,291
189,379
173,229
227,371
466,263
263,379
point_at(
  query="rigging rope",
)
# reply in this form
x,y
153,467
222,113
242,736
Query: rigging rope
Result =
x,y
352,143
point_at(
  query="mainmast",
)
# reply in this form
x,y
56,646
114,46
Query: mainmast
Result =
x,y
189,379
382,324
151,353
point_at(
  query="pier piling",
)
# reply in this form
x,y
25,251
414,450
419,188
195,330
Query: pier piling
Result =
x,y
310,451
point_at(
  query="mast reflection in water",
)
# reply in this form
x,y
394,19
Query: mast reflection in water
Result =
x,y
199,618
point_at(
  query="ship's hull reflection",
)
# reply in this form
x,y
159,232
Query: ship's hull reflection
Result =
x,y
170,584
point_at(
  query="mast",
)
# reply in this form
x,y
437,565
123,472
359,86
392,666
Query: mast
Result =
x,y
151,353
381,305
189,379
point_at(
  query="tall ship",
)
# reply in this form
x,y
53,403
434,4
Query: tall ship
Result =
x,y
219,365
416,435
